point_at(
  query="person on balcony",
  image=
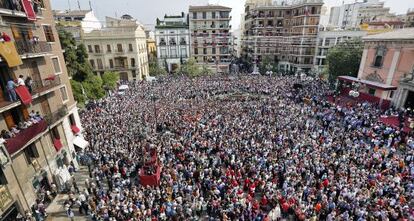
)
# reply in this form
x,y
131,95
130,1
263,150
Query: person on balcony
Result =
x,y
11,89
29,82
20,81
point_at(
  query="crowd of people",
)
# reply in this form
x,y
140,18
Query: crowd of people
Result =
x,y
33,118
244,148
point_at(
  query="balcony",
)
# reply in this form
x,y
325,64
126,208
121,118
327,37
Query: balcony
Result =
x,y
53,118
39,88
6,197
15,8
45,86
31,48
16,143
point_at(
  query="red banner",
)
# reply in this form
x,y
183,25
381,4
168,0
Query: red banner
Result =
x,y
28,8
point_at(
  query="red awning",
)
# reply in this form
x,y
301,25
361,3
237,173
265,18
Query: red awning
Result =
x,y
370,84
24,94
28,8
75,129
58,144
14,144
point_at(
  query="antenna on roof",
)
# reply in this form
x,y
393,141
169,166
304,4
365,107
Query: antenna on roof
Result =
x,y
90,5
79,6
69,4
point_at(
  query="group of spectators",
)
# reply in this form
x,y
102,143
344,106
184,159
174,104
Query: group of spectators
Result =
x,y
33,118
245,148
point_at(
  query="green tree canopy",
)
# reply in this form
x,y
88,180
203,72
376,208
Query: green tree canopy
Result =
x,y
191,68
77,91
110,80
345,58
268,64
93,87
155,69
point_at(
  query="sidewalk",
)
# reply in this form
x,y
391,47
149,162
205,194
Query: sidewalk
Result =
x,y
56,210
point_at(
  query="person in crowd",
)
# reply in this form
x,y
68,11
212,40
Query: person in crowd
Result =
x,y
29,83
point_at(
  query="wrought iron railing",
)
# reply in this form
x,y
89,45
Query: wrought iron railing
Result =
x,y
54,117
32,47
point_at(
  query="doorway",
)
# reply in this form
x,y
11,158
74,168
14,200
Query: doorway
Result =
x,y
409,101
123,76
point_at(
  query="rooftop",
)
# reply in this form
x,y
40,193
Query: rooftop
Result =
x,y
71,12
400,34
209,7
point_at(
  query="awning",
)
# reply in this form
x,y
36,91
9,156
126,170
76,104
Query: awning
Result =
x,y
80,142
58,144
75,129
24,94
371,84
9,53
28,8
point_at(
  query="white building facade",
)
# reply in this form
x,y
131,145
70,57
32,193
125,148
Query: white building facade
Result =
x,y
327,40
172,38
77,22
352,15
120,47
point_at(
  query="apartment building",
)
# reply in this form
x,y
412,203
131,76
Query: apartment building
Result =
x,y
210,36
37,155
172,38
120,46
352,15
284,33
328,39
76,21
410,18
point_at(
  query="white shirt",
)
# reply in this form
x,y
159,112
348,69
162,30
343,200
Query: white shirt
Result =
x,y
20,82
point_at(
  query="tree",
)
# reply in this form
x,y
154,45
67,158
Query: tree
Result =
x,y
78,91
191,68
155,69
267,64
344,59
93,87
205,70
110,80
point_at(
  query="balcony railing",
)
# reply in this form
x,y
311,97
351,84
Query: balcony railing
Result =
x,y
54,117
45,84
32,47
16,143
16,6
6,199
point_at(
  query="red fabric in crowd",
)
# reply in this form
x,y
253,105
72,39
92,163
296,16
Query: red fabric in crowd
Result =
x,y
24,94
28,8
16,143
150,180
58,144
75,129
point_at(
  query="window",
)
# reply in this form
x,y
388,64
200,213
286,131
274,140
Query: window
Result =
x,y
204,15
56,65
132,62
111,63
183,41
49,33
31,153
204,50
194,15
72,120
97,49
55,133
134,74
379,56
213,14
371,91
90,49
213,50
172,41
108,48
99,63
92,63
131,48
119,46
3,180
64,94
195,50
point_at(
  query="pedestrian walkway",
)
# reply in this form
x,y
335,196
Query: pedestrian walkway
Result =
x,y
56,210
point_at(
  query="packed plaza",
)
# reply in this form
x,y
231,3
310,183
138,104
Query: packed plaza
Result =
x,y
243,148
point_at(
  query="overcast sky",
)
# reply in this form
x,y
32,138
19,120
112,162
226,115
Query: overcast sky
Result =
x,y
146,11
